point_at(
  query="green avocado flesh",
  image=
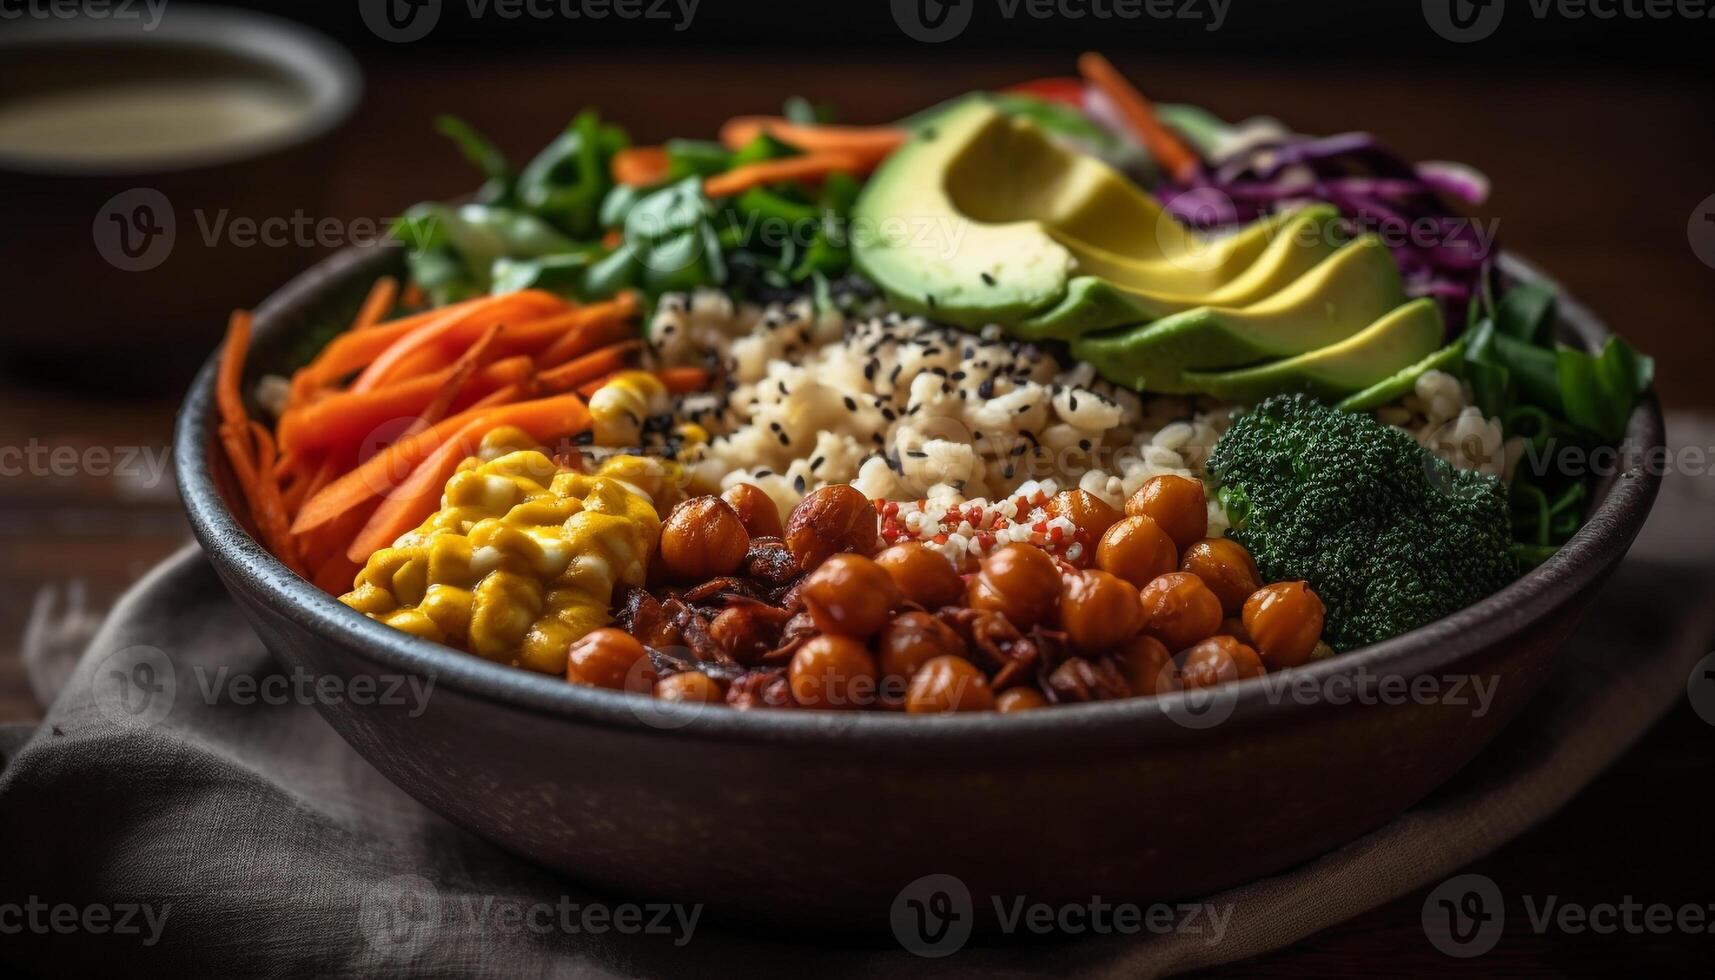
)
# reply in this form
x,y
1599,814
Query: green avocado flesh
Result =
x,y
1394,387
981,218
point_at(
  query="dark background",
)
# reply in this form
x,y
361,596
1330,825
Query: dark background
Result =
x,y
1597,134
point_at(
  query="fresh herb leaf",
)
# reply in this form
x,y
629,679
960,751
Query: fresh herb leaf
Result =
x,y
1599,391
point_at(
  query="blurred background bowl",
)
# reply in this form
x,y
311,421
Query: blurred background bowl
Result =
x,y
136,156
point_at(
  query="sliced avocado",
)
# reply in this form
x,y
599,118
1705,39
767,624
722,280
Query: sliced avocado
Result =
x,y
1352,289
981,219
1387,346
1393,388
910,238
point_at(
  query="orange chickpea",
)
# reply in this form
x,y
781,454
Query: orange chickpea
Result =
x,y
849,595
1019,699
702,539
1177,503
1179,610
923,574
1235,627
912,640
692,686
1285,621
755,510
948,684
1226,568
1018,581
1091,516
1137,550
610,658
1147,666
1099,611
833,672
1217,660
832,519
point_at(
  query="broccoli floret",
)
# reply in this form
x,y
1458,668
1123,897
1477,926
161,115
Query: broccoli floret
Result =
x,y
1390,536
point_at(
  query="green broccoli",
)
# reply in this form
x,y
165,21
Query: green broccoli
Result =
x,y
1390,536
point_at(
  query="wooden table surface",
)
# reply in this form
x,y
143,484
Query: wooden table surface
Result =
x,y
1595,179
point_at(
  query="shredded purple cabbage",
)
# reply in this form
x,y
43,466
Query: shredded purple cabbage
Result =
x,y
1441,253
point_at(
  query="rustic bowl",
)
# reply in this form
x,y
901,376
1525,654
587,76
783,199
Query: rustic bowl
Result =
x,y
823,818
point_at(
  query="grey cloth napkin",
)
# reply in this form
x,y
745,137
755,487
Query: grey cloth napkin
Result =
x,y
248,839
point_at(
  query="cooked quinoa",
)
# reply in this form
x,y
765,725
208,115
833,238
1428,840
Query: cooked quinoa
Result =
x,y
906,410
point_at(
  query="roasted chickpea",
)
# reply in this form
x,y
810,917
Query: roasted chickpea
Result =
x,y
830,520
1091,516
1177,503
849,595
1235,627
1137,550
1018,581
743,633
1285,621
1019,699
610,658
924,575
755,510
833,672
691,685
1099,611
1226,568
1179,610
1147,666
702,539
1217,660
912,640
948,684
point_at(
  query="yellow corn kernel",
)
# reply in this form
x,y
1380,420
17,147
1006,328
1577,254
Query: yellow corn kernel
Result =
x,y
618,408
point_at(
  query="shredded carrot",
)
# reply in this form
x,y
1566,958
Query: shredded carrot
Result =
x,y
598,363
452,330
640,166
872,144
377,304
543,419
338,425
1163,144
594,326
267,508
459,374
228,394
353,350
684,380
809,167
612,238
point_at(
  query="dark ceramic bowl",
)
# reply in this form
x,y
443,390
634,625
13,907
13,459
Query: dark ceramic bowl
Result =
x,y
822,818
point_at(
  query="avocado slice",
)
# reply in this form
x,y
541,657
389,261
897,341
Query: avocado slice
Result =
x,y
1389,345
981,218
1394,387
1337,298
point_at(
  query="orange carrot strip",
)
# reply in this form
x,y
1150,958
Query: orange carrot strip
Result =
x,y
415,498
595,364
871,143
458,375
336,575
229,377
639,166
338,424
352,351
595,325
267,508
684,380
452,330
1163,144
543,419
377,304
809,167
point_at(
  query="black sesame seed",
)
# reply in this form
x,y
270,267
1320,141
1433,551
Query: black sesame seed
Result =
x,y
851,404
816,464
798,483
988,279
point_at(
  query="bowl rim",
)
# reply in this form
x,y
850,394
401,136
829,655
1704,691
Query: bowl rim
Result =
x,y
244,564
326,73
